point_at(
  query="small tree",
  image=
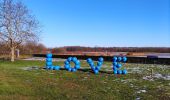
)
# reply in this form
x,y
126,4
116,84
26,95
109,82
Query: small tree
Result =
x,y
17,25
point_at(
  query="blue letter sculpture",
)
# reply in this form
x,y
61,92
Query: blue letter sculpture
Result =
x,y
68,67
94,68
117,65
49,64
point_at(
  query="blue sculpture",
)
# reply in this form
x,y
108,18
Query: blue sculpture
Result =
x,y
75,61
117,65
94,68
49,63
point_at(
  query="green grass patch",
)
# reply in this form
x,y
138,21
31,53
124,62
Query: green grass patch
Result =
x,y
19,84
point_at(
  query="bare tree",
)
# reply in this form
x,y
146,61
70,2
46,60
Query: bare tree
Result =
x,y
17,25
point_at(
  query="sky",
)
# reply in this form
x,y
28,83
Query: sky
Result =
x,y
103,23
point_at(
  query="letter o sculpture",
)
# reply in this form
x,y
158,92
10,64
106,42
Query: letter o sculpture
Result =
x,y
68,67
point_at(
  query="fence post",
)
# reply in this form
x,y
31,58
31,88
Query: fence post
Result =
x,y
17,53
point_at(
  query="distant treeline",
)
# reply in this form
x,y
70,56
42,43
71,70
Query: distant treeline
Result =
x,y
111,49
25,48
38,48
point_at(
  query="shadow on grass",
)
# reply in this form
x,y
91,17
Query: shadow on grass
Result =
x,y
88,70
4,59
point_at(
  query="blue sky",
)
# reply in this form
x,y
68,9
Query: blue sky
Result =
x,y
108,23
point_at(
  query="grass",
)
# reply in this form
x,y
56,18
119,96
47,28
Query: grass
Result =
x,y
19,84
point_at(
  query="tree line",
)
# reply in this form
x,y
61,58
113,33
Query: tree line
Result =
x,y
27,48
110,49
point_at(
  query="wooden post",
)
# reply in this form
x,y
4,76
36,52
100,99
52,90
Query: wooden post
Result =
x,y
17,53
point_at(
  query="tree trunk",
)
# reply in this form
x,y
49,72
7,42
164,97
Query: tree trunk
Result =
x,y
12,54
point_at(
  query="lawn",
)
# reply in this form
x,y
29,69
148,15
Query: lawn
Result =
x,y
19,82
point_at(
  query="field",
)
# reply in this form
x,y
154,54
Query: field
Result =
x,y
27,80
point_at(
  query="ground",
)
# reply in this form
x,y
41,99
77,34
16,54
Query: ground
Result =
x,y
22,80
